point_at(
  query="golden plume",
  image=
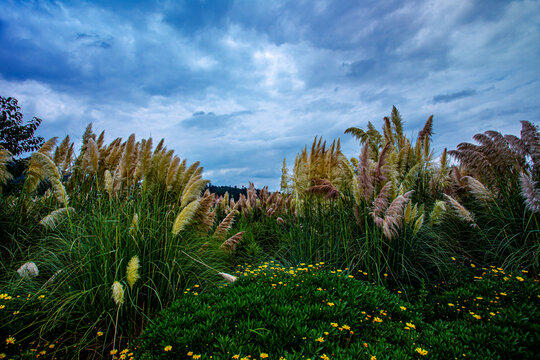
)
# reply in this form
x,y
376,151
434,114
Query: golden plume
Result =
x,y
192,192
92,155
5,175
117,293
437,213
184,217
55,217
171,173
61,152
132,271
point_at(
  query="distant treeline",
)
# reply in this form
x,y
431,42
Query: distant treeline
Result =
x,y
234,191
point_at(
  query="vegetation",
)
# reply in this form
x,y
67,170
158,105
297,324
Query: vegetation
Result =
x,y
125,244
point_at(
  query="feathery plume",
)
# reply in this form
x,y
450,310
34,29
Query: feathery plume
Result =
x,y
530,192
184,217
381,201
69,158
46,148
324,187
228,277
171,173
382,169
225,225
28,270
108,183
230,244
5,175
117,293
134,224
427,131
55,217
460,210
60,153
437,213
192,192
479,191
92,155
132,271
418,224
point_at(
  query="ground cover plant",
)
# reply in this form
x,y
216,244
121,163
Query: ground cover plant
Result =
x,y
96,244
311,312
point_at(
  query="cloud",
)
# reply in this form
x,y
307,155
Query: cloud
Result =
x,y
211,121
445,98
240,84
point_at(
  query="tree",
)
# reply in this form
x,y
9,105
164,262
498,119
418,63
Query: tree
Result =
x,y
16,137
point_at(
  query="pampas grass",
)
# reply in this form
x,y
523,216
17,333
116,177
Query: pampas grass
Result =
x,y
461,211
225,225
530,192
117,293
184,217
230,244
132,271
5,176
52,220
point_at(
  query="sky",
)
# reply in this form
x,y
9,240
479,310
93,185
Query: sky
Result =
x,y
240,85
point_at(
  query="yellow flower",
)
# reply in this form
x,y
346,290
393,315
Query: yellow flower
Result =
x,y
450,304
346,327
421,351
99,333
412,326
236,356
167,348
319,339
10,340
403,308
2,306
331,304
113,352
478,317
264,355
190,353
196,356
473,266
373,357
365,345
520,278
3,356
334,324
377,319
324,357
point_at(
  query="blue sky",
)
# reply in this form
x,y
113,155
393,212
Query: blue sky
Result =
x,y
239,85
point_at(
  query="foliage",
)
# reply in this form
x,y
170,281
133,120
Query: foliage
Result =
x,y
14,136
305,312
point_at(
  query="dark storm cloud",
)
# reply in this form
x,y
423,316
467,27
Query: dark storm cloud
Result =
x,y
445,98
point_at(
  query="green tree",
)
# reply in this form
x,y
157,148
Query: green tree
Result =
x,y
16,137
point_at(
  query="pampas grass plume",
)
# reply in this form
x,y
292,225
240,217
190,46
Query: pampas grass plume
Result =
x,y
530,192
28,270
54,218
132,271
117,293
185,216
228,277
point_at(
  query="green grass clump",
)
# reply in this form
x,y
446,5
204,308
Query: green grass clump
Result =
x,y
308,313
